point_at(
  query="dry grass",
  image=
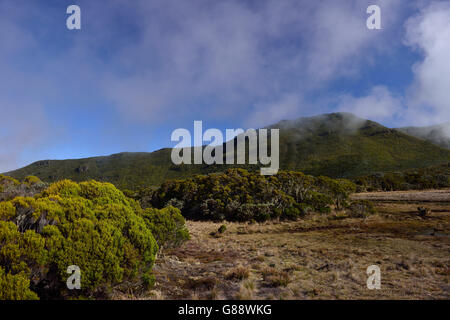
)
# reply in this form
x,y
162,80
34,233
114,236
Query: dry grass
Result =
x,y
274,277
247,290
239,273
421,195
319,257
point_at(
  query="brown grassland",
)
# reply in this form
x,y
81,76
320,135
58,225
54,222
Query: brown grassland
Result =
x,y
317,257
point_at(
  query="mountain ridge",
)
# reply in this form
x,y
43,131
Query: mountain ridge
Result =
x,y
334,144
437,134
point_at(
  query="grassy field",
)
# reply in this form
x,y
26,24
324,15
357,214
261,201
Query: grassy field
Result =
x,y
438,196
319,257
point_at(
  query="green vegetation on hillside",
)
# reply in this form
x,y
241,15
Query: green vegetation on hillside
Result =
x,y
342,145
434,177
91,225
337,145
438,134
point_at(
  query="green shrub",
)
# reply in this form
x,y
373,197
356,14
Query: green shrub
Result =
x,y
167,226
360,209
30,180
239,195
11,188
89,224
305,209
7,211
338,190
15,287
257,211
63,188
292,213
319,202
4,180
222,229
434,177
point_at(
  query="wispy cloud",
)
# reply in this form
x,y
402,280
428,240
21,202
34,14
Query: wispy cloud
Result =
x,y
236,56
151,64
429,32
426,100
378,105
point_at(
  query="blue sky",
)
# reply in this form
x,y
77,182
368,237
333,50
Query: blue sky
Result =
x,y
139,69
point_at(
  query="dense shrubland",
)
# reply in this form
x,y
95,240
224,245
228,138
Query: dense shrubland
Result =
x,y
239,195
92,225
435,177
11,188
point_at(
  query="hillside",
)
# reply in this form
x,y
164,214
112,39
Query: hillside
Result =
x,y
336,145
343,145
438,134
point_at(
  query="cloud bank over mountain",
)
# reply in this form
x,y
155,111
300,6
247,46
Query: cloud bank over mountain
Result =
x,y
137,71
426,101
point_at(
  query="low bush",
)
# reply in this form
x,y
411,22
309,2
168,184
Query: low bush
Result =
x,y
222,229
167,226
91,225
15,287
360,209
30,180
11,188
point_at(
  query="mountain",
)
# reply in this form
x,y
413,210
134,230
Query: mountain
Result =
x,y
438,134
336,145
343,145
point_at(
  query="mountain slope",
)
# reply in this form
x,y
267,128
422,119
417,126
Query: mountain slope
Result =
x,y
336,145
343,145
438,134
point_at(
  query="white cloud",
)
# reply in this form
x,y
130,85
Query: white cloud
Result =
x,y
268,113
378,105
238,54
429,32
426,101
158,62
340,43
24,127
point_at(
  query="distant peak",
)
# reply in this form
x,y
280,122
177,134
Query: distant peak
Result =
x,y
333,121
